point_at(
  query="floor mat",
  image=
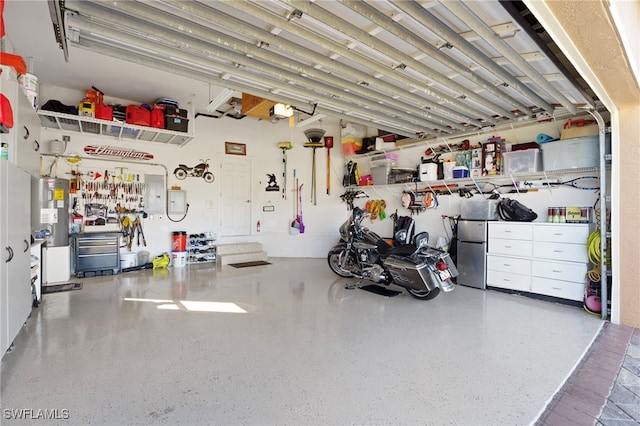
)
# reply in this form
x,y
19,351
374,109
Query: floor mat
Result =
x,y
61,287
247,264
380,290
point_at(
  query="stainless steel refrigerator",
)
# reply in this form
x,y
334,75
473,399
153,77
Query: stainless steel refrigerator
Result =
x,y
50,221
471,253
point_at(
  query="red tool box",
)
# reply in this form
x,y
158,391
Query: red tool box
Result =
x,y
104,112
138,115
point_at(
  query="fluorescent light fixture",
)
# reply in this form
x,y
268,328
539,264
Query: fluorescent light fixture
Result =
x,y
219,100
311,120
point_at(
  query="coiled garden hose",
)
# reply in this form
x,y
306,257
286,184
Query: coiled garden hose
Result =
x,y
593,254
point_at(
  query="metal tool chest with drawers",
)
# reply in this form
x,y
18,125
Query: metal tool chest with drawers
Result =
x,y
96,254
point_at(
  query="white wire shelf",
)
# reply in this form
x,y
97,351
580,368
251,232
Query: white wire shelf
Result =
x,y
116,129
550,176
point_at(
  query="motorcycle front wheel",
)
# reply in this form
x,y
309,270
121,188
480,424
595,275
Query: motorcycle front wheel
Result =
x,y
424,294
180,174
208,177
334,258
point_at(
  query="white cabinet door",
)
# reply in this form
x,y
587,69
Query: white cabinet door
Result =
x,y
5,254
19,231
25,132
15,269
27,136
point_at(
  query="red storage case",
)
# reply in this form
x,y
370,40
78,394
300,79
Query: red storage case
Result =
x,y
157,118
135,114
104,112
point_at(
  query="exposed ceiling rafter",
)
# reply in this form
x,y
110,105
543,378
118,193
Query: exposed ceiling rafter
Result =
x,y
436,68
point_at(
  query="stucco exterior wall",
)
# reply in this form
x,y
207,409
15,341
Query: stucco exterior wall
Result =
x,y
629,235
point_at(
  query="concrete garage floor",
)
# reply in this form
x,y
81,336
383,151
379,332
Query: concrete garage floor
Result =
x,y
152,347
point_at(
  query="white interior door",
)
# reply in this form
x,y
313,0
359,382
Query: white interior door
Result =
x,y
235,196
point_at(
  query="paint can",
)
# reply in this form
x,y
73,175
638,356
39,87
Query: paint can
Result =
x,y
178,259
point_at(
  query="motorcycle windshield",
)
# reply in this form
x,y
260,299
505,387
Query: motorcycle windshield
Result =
x,y
344,229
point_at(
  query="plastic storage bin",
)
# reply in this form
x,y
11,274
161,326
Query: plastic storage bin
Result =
x,y
383,160
175,123
573,153
525,161
479,210
380,175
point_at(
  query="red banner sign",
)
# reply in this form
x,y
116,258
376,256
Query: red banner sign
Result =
x,y
114,151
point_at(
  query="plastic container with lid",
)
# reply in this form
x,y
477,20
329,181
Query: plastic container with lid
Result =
x,y
523,161
460,172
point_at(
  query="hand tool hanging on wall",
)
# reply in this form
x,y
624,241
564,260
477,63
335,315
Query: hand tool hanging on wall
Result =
x,y
314,136
300,199
284,146
328,142
294,228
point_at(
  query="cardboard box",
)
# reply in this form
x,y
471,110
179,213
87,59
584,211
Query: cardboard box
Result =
x,y
492,157
579,132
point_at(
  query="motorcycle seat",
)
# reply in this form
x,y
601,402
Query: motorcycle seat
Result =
x,y
386,249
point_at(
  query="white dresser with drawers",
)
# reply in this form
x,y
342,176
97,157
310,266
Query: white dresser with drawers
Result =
x,y
540,258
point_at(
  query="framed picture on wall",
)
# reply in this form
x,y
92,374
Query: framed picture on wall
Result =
x,y
235,148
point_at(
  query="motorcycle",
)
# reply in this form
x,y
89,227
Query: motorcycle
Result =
x,y
422,270
201,170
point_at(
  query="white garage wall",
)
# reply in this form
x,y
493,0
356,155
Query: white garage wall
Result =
x,y
261,137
